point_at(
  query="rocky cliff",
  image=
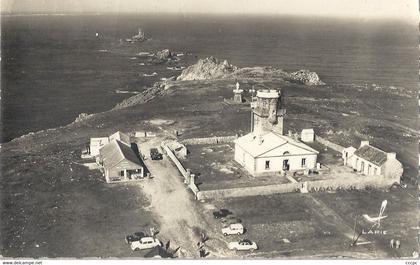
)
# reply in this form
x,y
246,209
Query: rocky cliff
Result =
x,y
306,77
212,68
208,68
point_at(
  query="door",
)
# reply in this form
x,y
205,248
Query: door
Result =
x,y
286,165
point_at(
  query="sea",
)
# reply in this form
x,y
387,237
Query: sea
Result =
x,y
55,67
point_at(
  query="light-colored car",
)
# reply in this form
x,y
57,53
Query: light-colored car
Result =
x,y
145,243
233,229
243,245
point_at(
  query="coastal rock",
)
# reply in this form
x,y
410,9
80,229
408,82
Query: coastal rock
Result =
x,y
211,68
208,68
82,117
306,77
164,54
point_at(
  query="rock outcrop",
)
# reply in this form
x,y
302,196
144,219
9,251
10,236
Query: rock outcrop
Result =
x,y
83,116
306,77
212,68
208,68
158,89
165,54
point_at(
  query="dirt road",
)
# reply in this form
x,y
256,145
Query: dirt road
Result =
x,y
179,215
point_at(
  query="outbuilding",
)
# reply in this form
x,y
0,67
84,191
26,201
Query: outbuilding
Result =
x,y
120,163
371,161
273,152
122,137
96,144
307,135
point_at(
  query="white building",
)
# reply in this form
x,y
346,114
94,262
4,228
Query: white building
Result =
x,y
97,143
307,135
122,137
273,152
369,160
119,162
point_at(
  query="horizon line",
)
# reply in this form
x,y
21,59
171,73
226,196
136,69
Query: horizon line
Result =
x,y
64,13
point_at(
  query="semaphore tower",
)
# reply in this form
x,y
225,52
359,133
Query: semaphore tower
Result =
x,y
267,112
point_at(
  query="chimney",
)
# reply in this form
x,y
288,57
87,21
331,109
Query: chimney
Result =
x,y
260,139
391,156
363,143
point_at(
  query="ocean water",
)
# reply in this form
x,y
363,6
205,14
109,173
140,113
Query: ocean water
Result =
x,y
54,67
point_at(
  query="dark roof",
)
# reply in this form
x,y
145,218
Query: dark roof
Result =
x,y
372,154
115,151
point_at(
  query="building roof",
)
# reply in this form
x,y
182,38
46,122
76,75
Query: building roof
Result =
x,y
120,136
308,131
372,154
251,143
98,141
350,149
114,152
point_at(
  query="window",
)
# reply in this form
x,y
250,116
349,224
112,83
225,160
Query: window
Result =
x,y
375,171
286,153
303,162
267,164
122,173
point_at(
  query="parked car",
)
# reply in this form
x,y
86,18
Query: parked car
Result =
x,y
155,155
233,229
135,237
145,243
243,245
230,219
221,213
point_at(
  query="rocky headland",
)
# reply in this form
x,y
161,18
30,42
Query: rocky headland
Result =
x,y
212,68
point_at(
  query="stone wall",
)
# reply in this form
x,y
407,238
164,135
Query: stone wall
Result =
x,y
209,140
329,144
361,182
248,191
181,168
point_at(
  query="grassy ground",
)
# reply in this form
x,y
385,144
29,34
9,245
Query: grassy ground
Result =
x,y
53,207
270,219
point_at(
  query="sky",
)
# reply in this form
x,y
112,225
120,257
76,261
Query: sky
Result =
x,y
399,9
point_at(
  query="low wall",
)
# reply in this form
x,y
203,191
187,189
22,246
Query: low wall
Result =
x,y
209,140
247,191
329,144
175,160
360,182
181,168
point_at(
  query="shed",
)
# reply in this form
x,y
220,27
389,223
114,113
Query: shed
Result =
x,y
96,144
307,135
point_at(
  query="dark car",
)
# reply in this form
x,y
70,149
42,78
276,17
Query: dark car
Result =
x,y
231,219
135,237
155,155
222,213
